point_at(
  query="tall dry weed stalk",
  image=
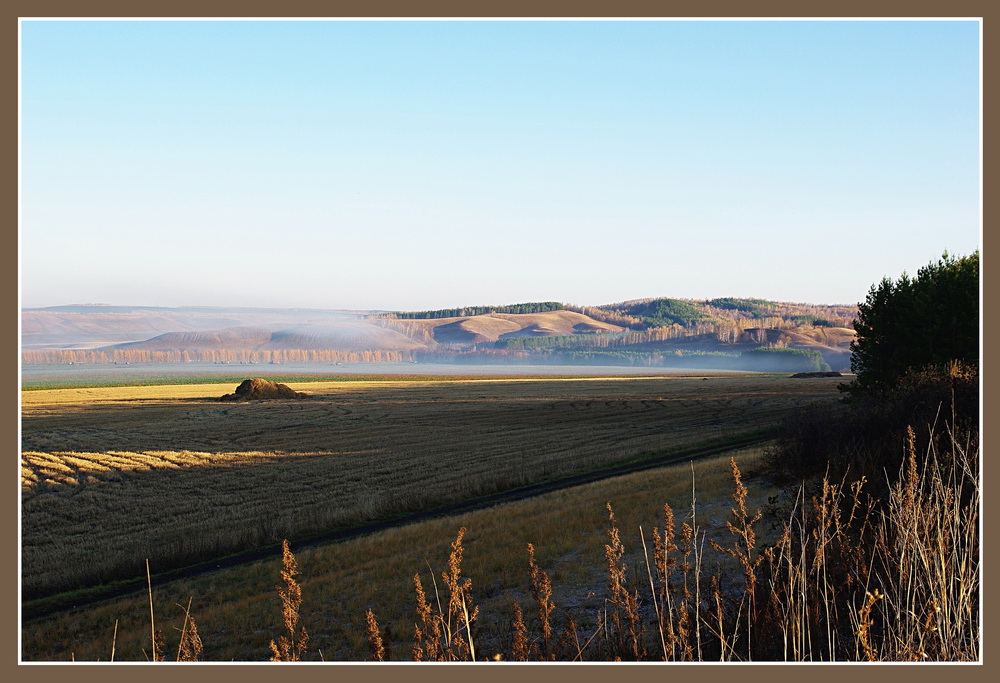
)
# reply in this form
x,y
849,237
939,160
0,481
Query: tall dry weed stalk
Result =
x,y
685,614
928,564
190,647
156,648
290,648
375,646
851,578
427,632
459,600
114,641
677,603
787,590
863,631
541,591
624,639
519,647
447,635
664,563
821,559
744,549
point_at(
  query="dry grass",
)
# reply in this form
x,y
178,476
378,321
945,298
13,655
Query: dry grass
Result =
x,y
238,612
674,564
850,580
113,476
845,578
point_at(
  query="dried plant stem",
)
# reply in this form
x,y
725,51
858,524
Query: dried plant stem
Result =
x,y
375,645
541,591
519,649
656,603
187,614
442,632
290,648
468,628
152,621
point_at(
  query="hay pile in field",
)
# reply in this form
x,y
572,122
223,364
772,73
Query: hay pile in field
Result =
x,y
257,389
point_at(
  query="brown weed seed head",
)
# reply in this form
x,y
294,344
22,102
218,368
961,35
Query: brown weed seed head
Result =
x,y
454,573
519,649
375,646
289,649
430,634
190,647
541,591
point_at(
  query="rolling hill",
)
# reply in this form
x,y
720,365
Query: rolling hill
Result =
x,y
349,335
88,326
717,333
492,327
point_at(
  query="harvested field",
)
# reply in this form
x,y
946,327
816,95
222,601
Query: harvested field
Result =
x,y
113,476
238,611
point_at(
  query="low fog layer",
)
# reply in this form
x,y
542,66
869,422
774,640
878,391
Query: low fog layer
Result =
x,y
82,326
721,334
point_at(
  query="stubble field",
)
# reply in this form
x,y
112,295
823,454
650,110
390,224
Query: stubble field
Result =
x,y
112,477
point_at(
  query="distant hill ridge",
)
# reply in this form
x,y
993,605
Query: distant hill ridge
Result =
x,y
722,332
659,311
468,311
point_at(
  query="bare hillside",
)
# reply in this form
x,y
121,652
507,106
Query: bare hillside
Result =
x,y
348,336
493,326
230,338
351,335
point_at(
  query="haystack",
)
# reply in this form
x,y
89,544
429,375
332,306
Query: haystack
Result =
x,y
258,389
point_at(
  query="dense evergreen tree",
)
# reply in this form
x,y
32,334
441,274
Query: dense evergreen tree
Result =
x,y
914,323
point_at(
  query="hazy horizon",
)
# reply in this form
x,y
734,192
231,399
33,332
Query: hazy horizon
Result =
x,y
101,304
420,165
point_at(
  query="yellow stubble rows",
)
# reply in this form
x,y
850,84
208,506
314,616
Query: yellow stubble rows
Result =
x,y
112,477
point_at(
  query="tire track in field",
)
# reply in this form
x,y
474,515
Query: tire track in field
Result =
x,y
55,604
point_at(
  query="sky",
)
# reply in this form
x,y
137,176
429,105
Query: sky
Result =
x,y
413,165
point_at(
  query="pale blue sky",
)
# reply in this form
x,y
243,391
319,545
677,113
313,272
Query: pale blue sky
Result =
x,y
428,164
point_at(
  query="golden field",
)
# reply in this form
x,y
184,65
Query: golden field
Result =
x,y
114,476
708,560
238,611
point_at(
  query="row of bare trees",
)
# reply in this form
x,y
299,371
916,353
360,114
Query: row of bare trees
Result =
x,y
143,356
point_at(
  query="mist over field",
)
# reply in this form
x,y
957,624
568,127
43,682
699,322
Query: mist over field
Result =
x,y
718,334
